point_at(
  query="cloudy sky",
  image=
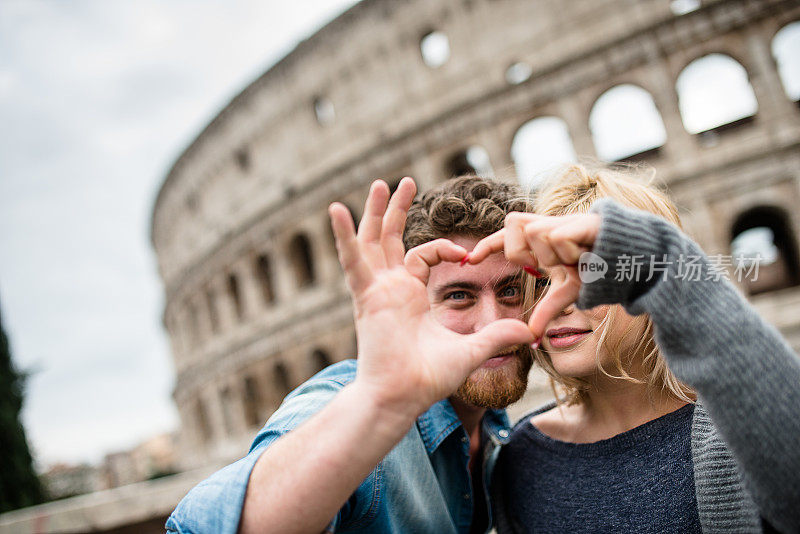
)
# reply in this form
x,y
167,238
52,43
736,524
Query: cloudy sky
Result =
x,y
97,99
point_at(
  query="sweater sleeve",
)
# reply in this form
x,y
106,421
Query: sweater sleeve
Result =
x,y
746,374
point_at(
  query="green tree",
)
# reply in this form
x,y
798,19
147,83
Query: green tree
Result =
x,y
19,485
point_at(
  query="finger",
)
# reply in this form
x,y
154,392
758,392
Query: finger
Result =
x,y
357,272
536,237
573,236
486,246
369,230
420,259
496,337
395,221
557,298
517,249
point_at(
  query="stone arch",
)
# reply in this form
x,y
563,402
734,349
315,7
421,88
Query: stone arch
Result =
x,y
252,400
626,124
302,260
700,86
434,48
320,359
472,160
265,277
766,231
324,110
283,381
540,145
785,45
235,294
193,323
213,312
226,401
243,160
201,421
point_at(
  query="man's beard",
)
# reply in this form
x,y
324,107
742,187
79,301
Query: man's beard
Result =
x,y
498,387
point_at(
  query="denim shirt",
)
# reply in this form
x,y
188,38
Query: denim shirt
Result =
x,y
422,485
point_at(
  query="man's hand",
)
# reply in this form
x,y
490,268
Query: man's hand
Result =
x,y
549,244
407,360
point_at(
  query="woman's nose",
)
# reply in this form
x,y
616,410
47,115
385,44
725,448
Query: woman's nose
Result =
x,y
569,309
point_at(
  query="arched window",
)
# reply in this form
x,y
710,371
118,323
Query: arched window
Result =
x,y
234,293
473,160
518,72
541,145
714,95
252,401
243,159
435,49
302,260
193,324
324,111
213,316
763,235
320,360
264,274
282,381
226,399
626,125
785,47
682,7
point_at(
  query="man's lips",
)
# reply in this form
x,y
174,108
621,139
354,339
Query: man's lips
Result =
x,y
565,336
501,357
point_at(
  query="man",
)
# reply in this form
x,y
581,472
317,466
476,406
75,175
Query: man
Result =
x,y
405,440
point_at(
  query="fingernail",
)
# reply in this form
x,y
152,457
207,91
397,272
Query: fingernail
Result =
x,y
531,271
536,343
465,259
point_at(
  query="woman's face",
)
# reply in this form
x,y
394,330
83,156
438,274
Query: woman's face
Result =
x,y
572,338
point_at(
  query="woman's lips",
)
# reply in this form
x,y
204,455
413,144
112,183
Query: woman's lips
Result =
x,y
564,337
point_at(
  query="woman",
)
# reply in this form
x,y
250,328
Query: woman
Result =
x,y
681,406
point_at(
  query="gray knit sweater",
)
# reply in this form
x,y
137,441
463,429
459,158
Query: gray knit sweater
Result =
x,y
746,427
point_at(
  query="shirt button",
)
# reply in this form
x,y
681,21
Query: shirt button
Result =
x,y
466,496
503,433
464,439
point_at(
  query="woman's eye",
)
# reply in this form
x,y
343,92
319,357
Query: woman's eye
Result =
x,y
510,292
542,283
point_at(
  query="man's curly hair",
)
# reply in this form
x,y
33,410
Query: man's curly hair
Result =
x,y
465,206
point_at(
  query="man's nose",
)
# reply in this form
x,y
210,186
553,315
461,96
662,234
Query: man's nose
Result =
x,y
488,311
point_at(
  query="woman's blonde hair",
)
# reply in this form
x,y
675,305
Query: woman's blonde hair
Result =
x,y
574,189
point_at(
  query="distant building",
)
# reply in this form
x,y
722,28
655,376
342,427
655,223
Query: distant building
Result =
x,y
62,480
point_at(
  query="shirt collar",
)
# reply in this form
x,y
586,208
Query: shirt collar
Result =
x,y
440,420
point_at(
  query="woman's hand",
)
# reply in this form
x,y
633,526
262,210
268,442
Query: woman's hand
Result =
x,y
544,245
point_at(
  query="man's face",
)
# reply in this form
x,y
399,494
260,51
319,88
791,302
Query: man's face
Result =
x,y
465,299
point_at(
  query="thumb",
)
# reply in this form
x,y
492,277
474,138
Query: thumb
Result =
x,y
496,337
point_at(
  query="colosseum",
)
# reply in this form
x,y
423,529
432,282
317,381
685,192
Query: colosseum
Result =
x,y
255,300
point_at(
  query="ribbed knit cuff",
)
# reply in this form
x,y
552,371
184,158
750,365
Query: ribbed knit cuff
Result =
x,y
626,244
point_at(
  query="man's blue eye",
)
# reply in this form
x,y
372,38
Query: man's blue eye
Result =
x,y
457,295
